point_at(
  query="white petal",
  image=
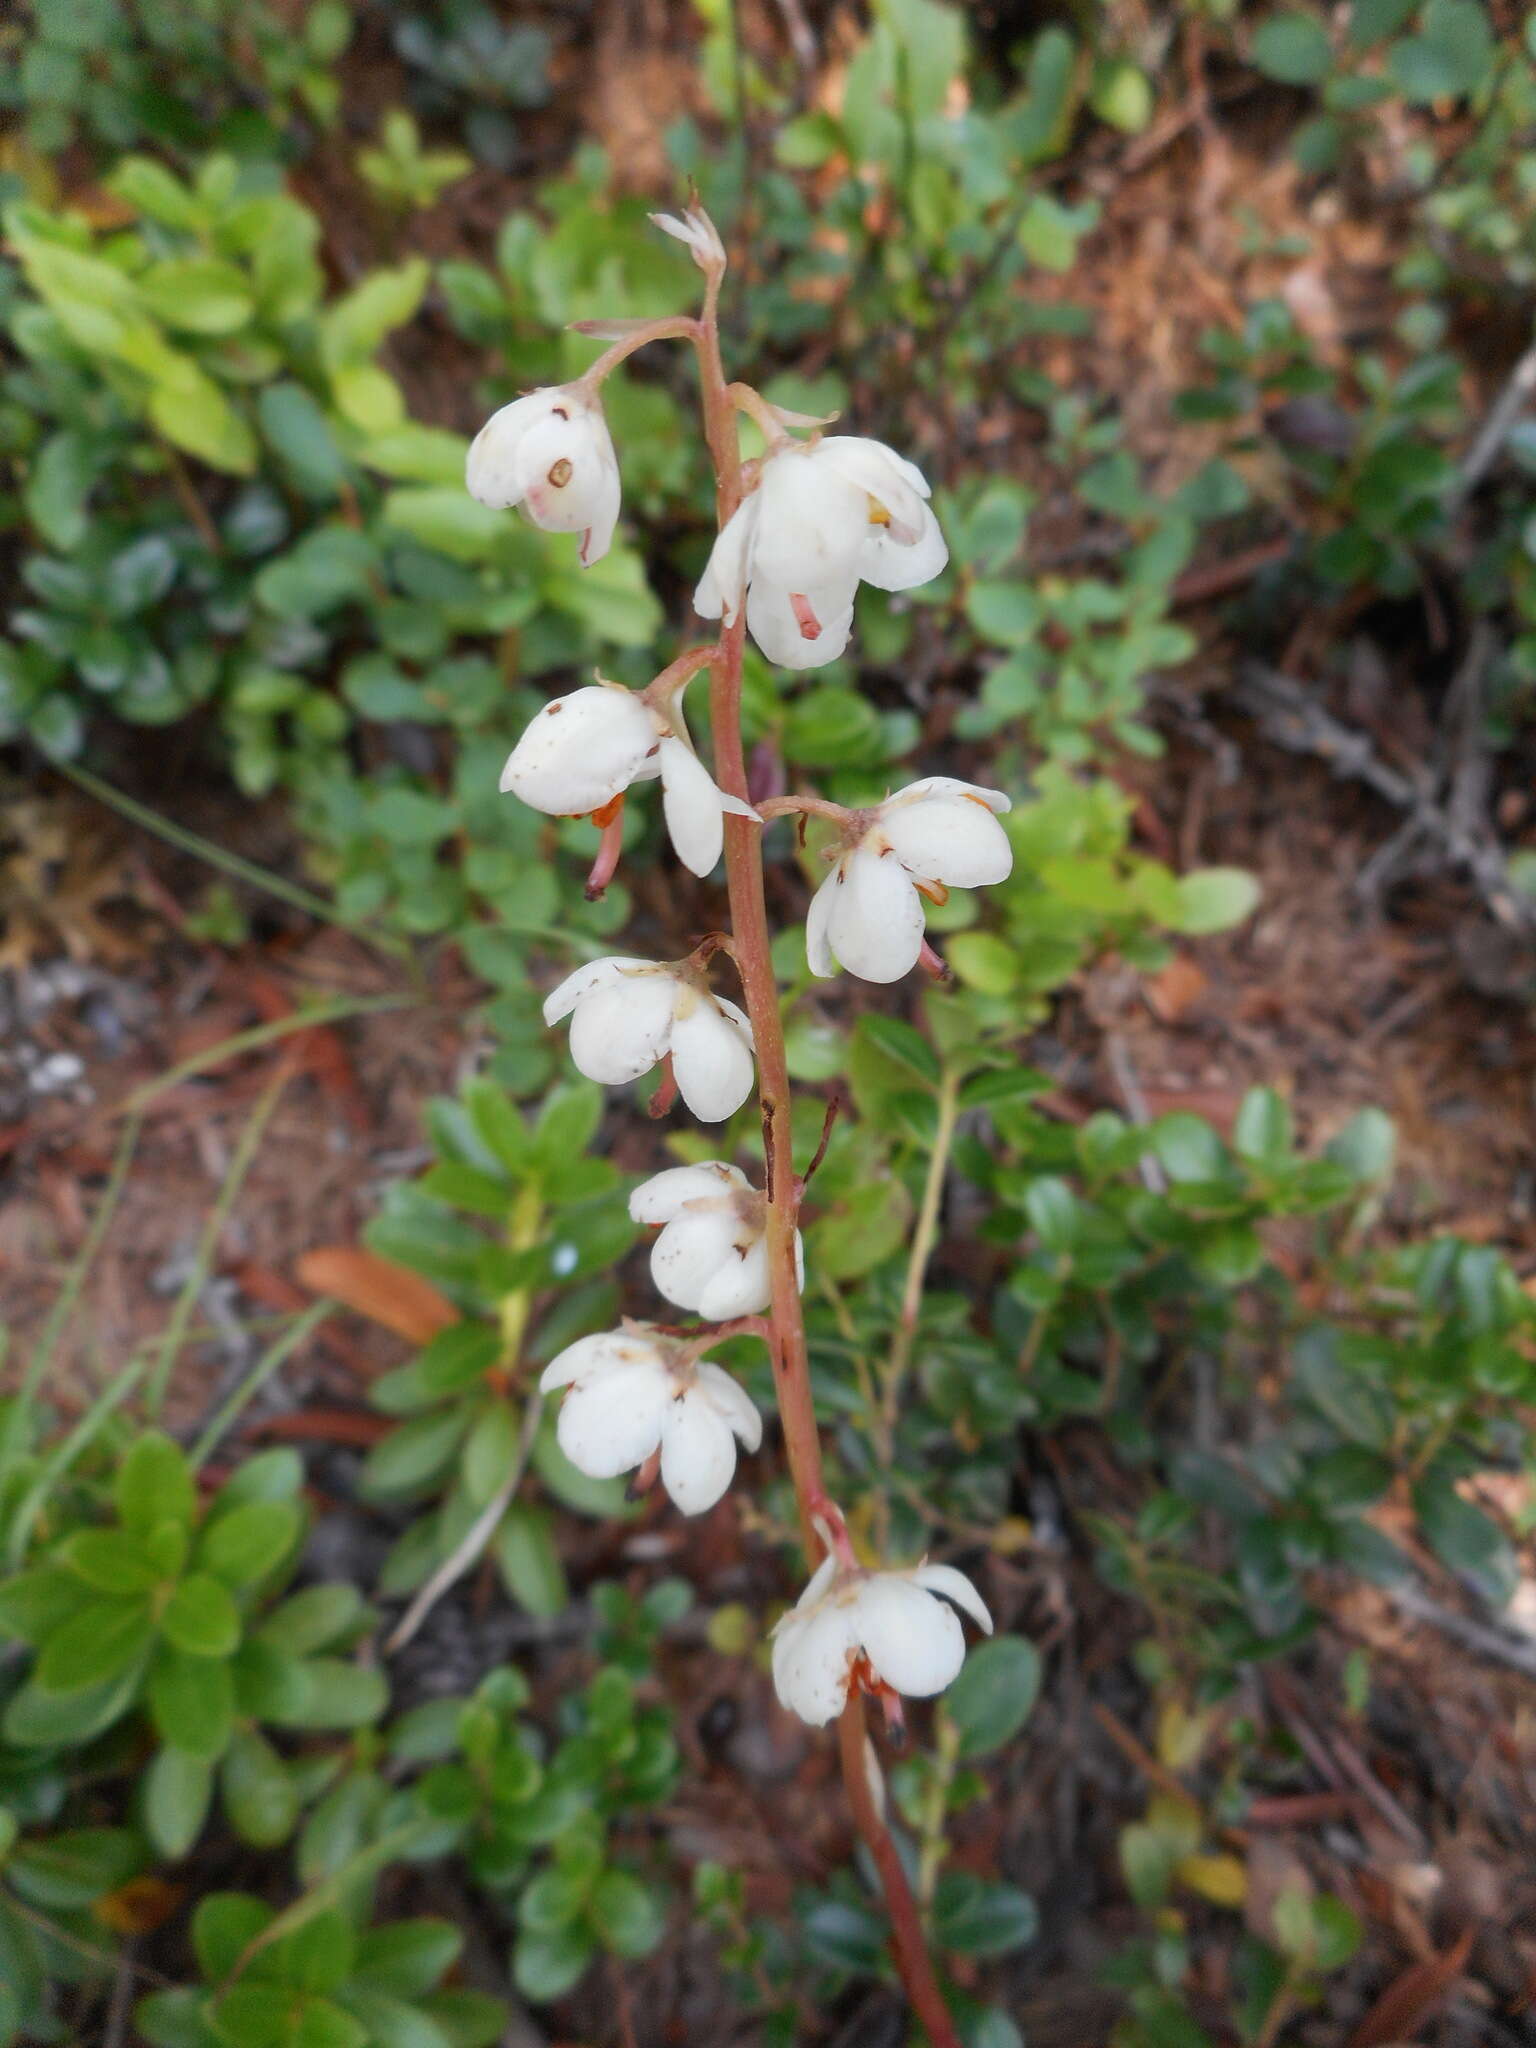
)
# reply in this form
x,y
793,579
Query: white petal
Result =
x,y
738,1017
817,1584
943,1578
621,1030
689,1253
725,576
739,1284
580,752
875,924
612,1423
665,1194
948,785
730,1402
891,563
773,624
811,524
492,472
811,1653
818,954
710,1057
882,475
956,841
569,473
691,804
593,974
607,1350
907,472
914,1642
698,1453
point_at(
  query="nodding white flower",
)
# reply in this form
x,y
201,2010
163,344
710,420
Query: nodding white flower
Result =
x,y
887,1631
712,1255
698,234
551,453
628,1014
583,751
826,515
632,1393
931,837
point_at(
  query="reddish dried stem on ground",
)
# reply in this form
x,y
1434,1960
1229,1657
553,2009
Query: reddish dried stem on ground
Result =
x,y
791,1364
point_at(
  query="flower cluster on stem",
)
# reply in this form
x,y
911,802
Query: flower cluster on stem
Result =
x,y
800,528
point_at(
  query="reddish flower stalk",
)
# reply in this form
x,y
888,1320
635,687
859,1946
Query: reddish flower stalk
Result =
x,y
787,1343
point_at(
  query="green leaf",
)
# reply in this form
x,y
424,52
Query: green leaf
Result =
x,y
974,1918
177,1791
1263,1131
338,1694
201,1618
154,1485
994,1694
901,1043
1367,1146
259,1793
313,1619
192,1701
110,1561
100,1641
545,1966
1467,1541
75,1867
1054,1214
299,434
245,1544
406,1957
198,294
1214,899
528,1558
1188,1148
223,1928
1293,48
630,1918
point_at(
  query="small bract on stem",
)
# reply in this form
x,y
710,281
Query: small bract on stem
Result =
x,y
800,527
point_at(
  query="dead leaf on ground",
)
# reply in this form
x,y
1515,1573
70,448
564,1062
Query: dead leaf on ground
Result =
x,y
401,1300
1409,1999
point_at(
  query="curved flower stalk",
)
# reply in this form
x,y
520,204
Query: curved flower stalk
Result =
x,y
551,453
878,1632
637,1400
799,530
931,837
581,754
626,1015
712,1253
826,516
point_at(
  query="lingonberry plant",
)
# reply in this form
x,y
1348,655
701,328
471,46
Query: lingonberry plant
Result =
x,y
800,527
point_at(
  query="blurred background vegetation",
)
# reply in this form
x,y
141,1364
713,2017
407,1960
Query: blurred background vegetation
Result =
x,y
1213,325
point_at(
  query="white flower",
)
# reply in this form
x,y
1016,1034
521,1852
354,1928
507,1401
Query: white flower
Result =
x,y
908,1640
932,836
551,453
628,1014
698,234
584,750
633,1392
826,516
711,1256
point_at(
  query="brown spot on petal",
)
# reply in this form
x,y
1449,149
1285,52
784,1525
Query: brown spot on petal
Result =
x,y
561,474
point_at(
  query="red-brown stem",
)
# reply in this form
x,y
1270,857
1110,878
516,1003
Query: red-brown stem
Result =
x,y
912,1959
791,1363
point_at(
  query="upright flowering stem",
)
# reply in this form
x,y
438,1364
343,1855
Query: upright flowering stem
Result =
x,y
791,1364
